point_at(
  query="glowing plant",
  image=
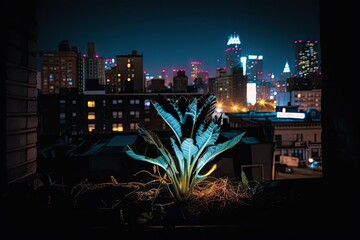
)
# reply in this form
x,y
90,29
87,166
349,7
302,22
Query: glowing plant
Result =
x,y
193,144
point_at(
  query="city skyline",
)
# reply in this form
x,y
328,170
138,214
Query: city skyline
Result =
x,y
171,35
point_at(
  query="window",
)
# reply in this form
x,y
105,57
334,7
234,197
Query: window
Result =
x,y
133,126
136,114
299,137
132,101
117,114
74,114
117,127
62,118
73,101
91,116
146,119
91,127
117,101
104,103
91,104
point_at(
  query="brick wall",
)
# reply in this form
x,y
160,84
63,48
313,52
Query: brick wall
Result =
x,y
18,91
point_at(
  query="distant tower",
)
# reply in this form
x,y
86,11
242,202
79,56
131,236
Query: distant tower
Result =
x,y
94,65
307,58
281,84
255,68
180,81
195,69
130,72
286,72
233,53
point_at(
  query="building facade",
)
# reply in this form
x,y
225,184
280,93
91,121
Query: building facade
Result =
x,y
296,135
230,90
61,69
307,58
74,114
130,73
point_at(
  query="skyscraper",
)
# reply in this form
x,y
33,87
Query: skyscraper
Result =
x,y
180,81
233,53
94,65
255,68
130,72
195,69
307,58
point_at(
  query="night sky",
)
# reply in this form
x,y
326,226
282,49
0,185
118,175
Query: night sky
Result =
x,y
171,34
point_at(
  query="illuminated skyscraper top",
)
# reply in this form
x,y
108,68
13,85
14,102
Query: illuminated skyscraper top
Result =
x,y
233,53
286,68
234,39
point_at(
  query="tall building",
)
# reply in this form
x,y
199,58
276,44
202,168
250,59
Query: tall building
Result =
x,y
233,53
307,58
61,69
195,69
94,65
255,68
230,90
180,81
130,72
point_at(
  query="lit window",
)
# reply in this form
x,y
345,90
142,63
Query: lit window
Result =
x,y
132,101
74,114
128,79
73,101
117,127
91,127
133,126
128,65
91,116
91,103
119,74
137,101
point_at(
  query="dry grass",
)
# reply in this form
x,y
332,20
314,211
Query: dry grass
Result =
x,y
217,193
213,194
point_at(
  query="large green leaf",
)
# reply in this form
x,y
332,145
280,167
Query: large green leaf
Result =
x,y
208,137
189,149
179,155
206,106
170,120
159,161
212,151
